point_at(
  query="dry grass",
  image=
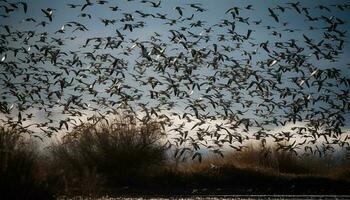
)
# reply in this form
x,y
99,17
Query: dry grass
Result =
x,y
277,163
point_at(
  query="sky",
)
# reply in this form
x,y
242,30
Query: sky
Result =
x,y
291,25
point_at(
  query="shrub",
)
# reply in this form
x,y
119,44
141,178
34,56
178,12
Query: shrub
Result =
x,y
110,154
19,167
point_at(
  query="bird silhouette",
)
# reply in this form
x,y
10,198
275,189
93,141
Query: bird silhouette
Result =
x,y
48,13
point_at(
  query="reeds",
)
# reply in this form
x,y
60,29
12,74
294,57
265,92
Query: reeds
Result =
x,y
278,163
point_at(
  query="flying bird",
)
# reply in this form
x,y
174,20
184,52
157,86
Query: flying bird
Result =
x,y
272,14
87,3
48,13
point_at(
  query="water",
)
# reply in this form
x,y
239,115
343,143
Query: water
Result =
x,y
216,197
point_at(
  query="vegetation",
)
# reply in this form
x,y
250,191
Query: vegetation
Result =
x,y
122,157
21,174
115,154
277,163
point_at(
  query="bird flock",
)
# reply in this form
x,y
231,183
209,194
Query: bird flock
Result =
x,y
209,85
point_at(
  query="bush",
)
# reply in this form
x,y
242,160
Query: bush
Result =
x,y
110,154
19,167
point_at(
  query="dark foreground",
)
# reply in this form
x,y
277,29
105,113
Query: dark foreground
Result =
x,y
227,184
237,184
